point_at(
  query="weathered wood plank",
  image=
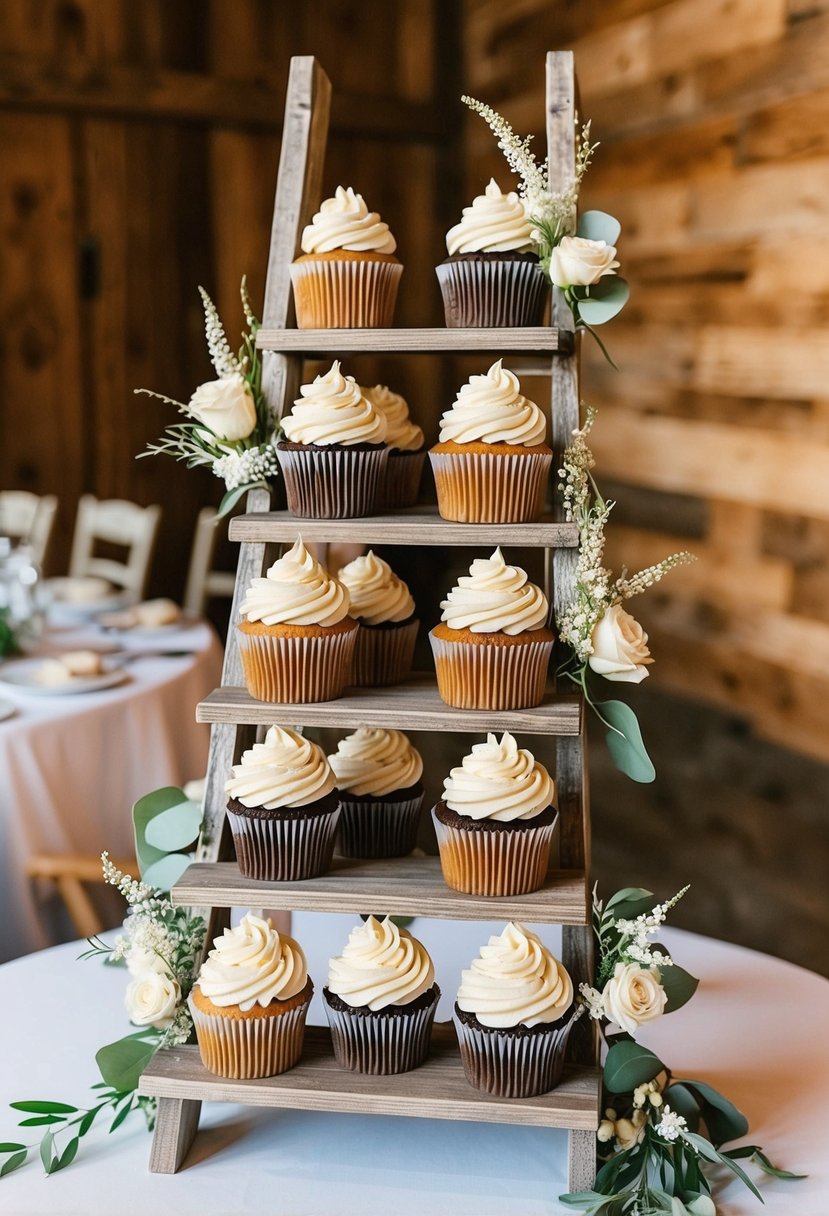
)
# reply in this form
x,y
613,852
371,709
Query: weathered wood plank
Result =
x,y
176,1123
336,342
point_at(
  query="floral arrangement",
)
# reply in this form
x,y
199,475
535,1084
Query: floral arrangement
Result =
x,y
230,428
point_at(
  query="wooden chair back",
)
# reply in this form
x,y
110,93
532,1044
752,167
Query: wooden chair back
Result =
x,y
115,522
203,583
28,518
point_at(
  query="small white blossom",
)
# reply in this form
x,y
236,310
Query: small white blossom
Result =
x,y
593,1001
248,467
221,356
671,1125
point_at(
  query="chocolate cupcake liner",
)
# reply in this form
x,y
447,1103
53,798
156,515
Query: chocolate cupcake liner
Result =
x,y
490,676
401,481
284,850
296,670
487,292
479,488
509,862
379,1044
513,1065
245,1048
374,828
383,655
331,483
348,294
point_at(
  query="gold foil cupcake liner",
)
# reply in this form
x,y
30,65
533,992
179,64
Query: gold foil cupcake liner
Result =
x,y
339,482
245,1048
513,1065
487,292
383,655
348,294
284,850
401,480
480,862
474,675
296,670
374,828
378,1044
478,488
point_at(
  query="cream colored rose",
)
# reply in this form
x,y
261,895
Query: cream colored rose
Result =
x,y
703,1205
633,995
151,1000
225,406
620,647
141,960
579,262
630,1131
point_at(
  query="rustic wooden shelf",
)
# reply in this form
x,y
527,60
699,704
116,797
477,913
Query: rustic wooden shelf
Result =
x,y
540,340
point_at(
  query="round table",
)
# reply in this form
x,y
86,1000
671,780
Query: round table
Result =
x,y
754,1030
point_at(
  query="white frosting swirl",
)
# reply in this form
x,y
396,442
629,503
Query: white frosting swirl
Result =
x,y
495,598
490,409
401,432
376,762
515,981
334,410
296,590
345,222
495,223
285,770
375,592
499,781
381,965
253,965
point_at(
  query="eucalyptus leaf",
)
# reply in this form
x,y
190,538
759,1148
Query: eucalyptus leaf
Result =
x,y
143,812
46,1146
45,1108
756,1154
599,226
628,1065
121,1116
624,742
13,1163
11,1147
602,301
684,1102
121,1063
631,902
165,873
703,1147
175,828
580,1199
67,1156
41,1121
231,498
722,1118
679,986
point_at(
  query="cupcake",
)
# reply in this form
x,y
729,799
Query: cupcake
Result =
x,y
491,462
495,821
296,640
510,1016
383,607
380,1000
283,808
405,443
492,276
378,776
492,647
347,275
250,1001
334,452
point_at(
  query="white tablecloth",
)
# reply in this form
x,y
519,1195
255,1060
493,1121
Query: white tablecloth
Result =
x,y
756,1030
72,766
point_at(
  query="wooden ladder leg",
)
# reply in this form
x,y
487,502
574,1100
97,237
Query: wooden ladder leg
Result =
x,y
175,1126
581,1161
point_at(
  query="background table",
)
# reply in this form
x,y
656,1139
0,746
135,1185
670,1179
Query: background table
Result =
x,y
755,1030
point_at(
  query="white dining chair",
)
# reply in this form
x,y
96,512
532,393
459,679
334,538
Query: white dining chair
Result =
x,y
28,518
204,583
116,522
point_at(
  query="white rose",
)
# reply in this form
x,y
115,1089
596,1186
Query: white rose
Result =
x,y
703,1205
630,1131
151,1000
140,961
620,647
579,262
226,406
633,995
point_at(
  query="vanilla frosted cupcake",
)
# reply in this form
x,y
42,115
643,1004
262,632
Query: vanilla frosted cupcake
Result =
x,y
509,1016
492,647
250,1001
283,808
382,605
296,639
381,999
491,462
495,821
334,452
405,443
347,275
378,776
492,276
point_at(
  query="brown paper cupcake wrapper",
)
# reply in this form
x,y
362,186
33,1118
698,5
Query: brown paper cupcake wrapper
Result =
x,y
353,294
513,1066
284,850
296,670
332,483
244,1048
383,656
378,829
494,863
492,293
401,481
480,676
476,488
381,1045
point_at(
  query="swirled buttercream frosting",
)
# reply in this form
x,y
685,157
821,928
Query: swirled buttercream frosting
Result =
x,y
334,410
401,432
345,222
296,590
495,223
381,965
375,762
495,598
515,981
375,592
499,780
491,409
251,965
283,771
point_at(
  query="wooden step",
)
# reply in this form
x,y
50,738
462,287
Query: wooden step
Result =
x,y
509,340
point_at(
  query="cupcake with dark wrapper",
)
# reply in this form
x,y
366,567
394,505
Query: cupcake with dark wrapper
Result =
x,y
495,822
510,1016
347,275
492,647
404,438
334,453
380,1000
296,640
492,276
382,605
284,808
250,1002
378,776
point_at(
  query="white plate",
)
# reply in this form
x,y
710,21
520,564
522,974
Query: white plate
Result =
x,y
61,605
22,676
6,709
